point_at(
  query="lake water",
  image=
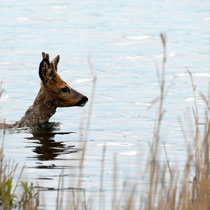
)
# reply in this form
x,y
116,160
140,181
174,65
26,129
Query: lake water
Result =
x,y
122,40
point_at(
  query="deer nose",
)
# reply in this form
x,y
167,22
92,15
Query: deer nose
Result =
x,y
83,101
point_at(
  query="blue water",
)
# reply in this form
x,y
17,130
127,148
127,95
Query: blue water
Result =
x,y
122,40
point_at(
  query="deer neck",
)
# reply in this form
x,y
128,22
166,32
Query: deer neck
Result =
x,y
40,112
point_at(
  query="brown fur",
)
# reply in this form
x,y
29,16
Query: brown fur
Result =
x,y
54,92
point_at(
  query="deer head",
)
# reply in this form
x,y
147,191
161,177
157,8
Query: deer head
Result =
x,y
61,94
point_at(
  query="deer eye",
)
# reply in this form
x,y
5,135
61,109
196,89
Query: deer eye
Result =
x,y
65,90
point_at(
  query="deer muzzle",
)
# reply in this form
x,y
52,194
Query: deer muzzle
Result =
x,y
82,102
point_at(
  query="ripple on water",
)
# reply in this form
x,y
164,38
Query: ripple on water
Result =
x,y
142,37
116,144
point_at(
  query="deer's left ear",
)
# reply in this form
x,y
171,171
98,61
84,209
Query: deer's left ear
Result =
x,y
55,62
45,70
45,55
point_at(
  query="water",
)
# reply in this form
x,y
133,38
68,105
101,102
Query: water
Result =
x,y
122,40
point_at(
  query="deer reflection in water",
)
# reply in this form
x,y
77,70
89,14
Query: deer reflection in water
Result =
x,y
48,148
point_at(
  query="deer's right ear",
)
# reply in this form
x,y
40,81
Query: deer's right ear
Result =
x,y
55,62
45,70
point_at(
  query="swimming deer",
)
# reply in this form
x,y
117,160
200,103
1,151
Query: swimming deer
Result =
x,y
54,92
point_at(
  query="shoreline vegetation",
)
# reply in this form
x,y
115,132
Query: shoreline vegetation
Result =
x,y
165,191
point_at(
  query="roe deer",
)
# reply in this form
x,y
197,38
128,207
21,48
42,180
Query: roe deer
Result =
x,y
54,92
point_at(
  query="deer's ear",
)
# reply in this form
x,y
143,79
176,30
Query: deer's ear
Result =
x,y
45,70
45,55
56,61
